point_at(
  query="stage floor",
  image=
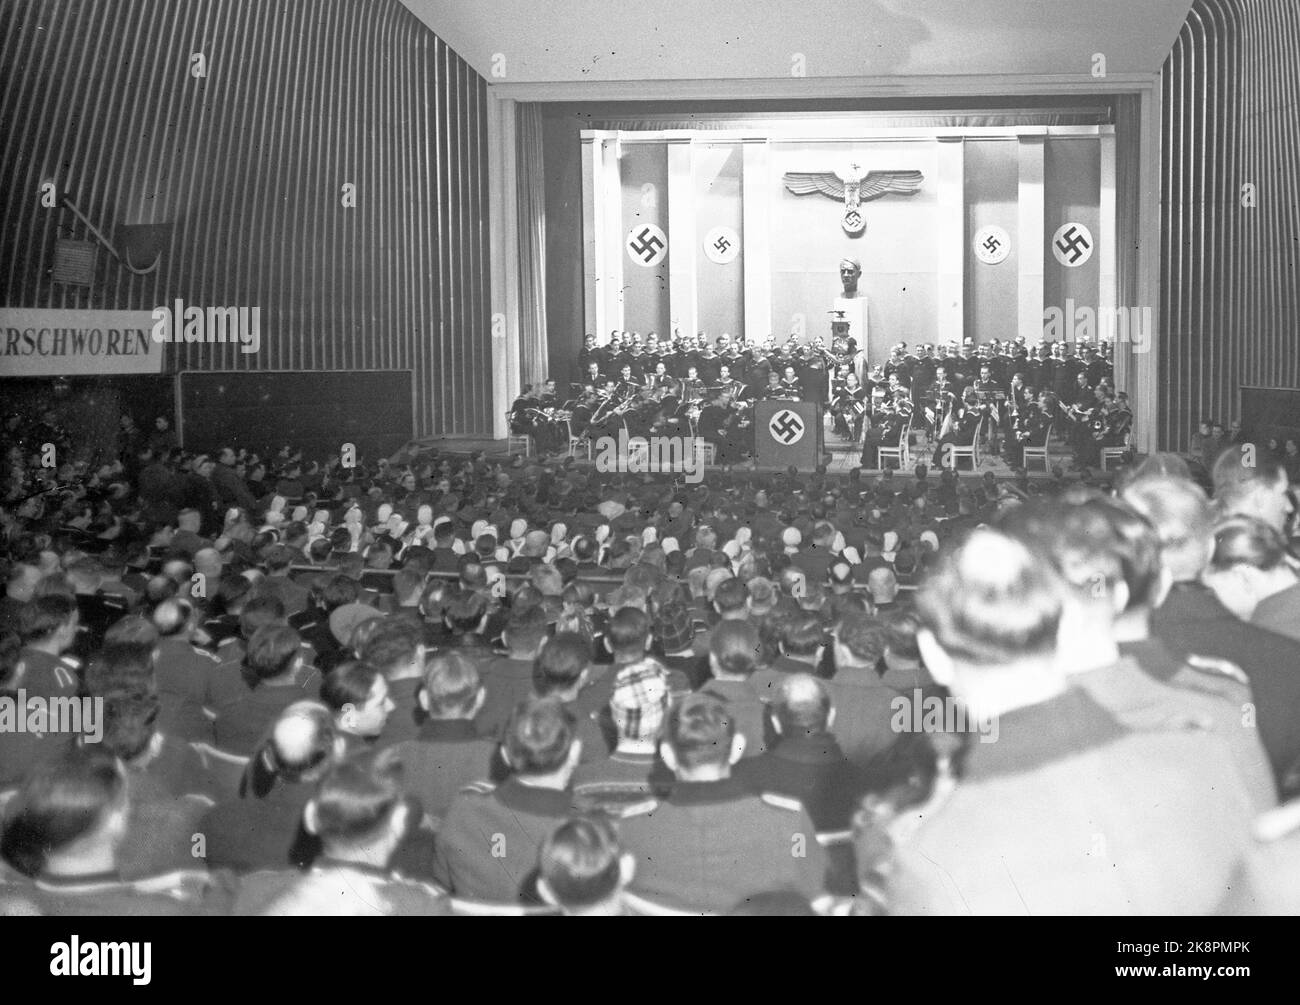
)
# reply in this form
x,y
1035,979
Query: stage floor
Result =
x,y
845,456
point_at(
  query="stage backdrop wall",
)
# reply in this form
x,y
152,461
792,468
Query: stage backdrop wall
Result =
x,y
718,203
643,170
992,197
898,249
1071,180
247,156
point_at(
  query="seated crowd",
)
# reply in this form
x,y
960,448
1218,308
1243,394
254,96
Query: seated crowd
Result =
x,y
460,685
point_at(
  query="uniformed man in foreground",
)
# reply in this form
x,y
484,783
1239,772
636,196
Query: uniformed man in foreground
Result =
x,y
713,842
360,818
487,846
63,831
1070,811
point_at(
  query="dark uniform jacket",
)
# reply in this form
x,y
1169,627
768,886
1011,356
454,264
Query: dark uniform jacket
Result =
x,y
1192,621
1070,812
488,842
446,756
711,844
814,771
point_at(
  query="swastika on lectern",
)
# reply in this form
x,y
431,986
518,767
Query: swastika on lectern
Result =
x,y
992,244
786,427
646,244
1072,244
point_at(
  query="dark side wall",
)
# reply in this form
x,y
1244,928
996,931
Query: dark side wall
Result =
x,y
248,162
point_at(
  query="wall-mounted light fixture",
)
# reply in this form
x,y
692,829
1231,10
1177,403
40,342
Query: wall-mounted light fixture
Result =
x,y
140,241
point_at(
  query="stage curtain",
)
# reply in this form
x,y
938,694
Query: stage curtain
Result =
x,y
1128,186
532,242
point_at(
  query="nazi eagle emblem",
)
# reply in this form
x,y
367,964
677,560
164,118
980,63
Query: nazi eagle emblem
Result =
x,y
855,186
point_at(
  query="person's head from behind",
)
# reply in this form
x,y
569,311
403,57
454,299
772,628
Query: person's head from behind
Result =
x,y
899,628
560,669
466,613
731,599
539,743
859,643
1254,486
1249,564
452,688
359,813
628,635
1180,514
274,653
803,637
883,584
173,618
990,613
357,694
733,649
701,742
49,623
129,726
301,745
395,647
70,815
802,707
1101,567
525,633
582,869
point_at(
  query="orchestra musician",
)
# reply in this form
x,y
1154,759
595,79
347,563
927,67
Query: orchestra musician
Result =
x,y
723,425
692,388
791,384
849,408
961,426
537,413
661,381
726,382
1029,427
989,394
891,420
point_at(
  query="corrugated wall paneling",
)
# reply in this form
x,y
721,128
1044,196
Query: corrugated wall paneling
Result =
x,y
1230,283
248,164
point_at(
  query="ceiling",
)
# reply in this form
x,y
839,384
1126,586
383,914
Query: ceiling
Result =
x,y
531,41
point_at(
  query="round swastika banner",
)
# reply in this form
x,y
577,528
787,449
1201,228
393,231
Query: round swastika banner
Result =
x,y
786,427
721,245
991,244
646,244
1072,244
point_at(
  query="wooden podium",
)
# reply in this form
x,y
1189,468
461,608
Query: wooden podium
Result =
x,y
788,433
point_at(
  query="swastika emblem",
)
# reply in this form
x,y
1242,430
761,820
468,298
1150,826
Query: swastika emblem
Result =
x,y
786,427
721,245
1072,244
646,244
991,244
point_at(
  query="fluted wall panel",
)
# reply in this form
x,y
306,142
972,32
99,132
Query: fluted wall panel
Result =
x,y
1230,210
248,163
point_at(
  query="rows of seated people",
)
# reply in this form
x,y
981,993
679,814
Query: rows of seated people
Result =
x,y
469,688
